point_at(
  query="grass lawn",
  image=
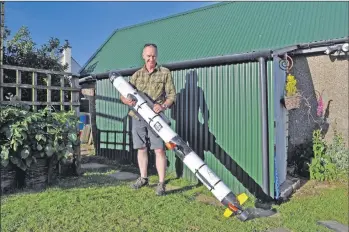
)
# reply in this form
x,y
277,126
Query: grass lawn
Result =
x,y
96,202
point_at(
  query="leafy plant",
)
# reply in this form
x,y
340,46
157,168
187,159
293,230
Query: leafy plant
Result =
x,y
26,136
338,152
291,88
321,167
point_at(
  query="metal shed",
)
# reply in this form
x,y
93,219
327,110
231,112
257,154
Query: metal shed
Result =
x,y
228,106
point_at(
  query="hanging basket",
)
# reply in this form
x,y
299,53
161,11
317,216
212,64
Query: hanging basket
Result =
x,y
292,102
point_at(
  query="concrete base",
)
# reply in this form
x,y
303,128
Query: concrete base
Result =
x,y
290,185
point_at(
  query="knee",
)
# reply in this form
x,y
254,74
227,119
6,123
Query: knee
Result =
x,y
159,151
142,150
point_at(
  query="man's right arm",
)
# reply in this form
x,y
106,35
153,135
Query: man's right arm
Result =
x,y
125,100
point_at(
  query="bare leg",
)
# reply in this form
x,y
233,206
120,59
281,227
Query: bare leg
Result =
x,y
161,163
143,162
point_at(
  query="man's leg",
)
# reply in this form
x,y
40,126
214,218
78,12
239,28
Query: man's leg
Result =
x,y
143,162
157,145
139,142
161,164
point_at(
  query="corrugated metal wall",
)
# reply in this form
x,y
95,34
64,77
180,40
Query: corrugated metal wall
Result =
x,y
217,111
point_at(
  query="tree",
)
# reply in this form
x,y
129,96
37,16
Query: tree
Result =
x,y
22,51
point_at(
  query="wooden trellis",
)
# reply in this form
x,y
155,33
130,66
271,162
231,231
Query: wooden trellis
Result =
x,y
73,89
34,87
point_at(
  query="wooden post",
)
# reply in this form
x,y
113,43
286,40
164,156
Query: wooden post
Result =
x,y
61,93
74,100
2,32
48,89
34,92
19,82
1,82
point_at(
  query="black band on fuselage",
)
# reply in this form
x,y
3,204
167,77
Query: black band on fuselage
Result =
x,y
202,177
140,106
217,183
151,119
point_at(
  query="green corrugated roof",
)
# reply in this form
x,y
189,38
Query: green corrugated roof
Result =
x,y
223,28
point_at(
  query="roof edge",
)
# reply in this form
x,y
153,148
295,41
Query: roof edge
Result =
x,y
218,60
97,51
149,22
176,15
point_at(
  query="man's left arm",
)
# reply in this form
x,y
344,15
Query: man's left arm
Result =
x,y
170,90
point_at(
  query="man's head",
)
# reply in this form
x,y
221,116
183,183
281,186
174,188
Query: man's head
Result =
x,y
150,53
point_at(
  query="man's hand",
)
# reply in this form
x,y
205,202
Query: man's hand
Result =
x,y
157,108
128,101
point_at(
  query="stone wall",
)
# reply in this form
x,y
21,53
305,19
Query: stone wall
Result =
x,y
328,76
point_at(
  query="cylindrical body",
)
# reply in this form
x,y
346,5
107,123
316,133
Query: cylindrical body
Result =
x,y
187,155
153,119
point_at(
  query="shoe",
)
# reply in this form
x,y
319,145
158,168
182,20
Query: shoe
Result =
x,y
140,182
160,189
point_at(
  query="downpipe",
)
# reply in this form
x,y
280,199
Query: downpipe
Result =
x,y
263,82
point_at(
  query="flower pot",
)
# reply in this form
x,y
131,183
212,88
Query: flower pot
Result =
x,y
37,174
42,173
8,178
292,102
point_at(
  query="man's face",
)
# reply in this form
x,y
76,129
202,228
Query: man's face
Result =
x,y
149,56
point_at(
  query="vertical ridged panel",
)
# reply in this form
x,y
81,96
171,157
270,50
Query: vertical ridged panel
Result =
x,y
111,119
217,112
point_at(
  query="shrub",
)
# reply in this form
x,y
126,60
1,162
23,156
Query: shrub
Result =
x,y
338,152
26,136
321,167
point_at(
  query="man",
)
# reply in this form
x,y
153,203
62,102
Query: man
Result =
x,y
157,83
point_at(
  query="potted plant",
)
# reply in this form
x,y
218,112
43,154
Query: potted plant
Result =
x,y
293,97
34,142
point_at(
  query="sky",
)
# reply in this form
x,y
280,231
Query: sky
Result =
x,y
85,24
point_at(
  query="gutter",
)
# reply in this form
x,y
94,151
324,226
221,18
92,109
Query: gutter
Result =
x,y
324,43
210,61
226,59
321,47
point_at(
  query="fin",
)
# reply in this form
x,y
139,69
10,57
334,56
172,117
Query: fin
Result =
x,y
228,213
242,198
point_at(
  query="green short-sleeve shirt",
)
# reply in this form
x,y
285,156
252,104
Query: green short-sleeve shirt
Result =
x,y
158,85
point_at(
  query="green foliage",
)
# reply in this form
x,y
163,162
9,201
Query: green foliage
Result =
x,y
291,88
338,152
21,50
25,135
321,167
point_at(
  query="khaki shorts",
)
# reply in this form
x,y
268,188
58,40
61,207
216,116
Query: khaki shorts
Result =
x,y
141,135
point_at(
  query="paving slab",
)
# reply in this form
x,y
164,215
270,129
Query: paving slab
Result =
x,y
279,230
124,176
93,165
334,225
